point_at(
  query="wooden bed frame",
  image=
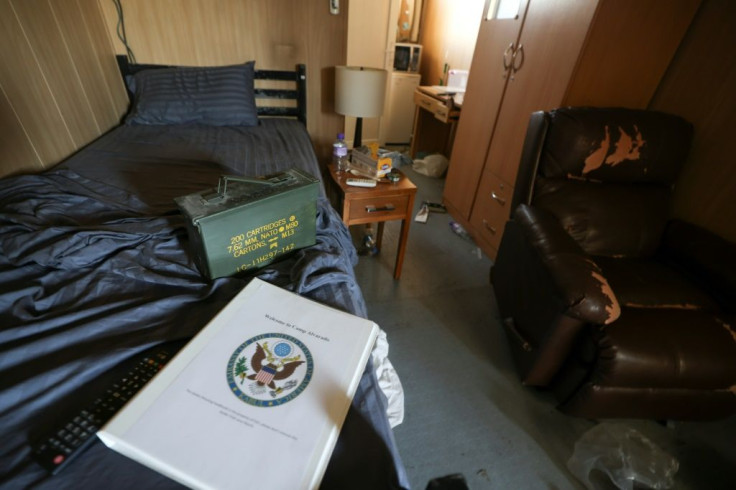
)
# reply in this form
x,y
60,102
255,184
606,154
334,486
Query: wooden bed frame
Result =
x,y
298,94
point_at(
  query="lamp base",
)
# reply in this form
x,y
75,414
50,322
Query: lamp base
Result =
x,y
357,139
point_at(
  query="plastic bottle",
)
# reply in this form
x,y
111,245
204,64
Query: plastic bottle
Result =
x,y
460,231
369,243
340,153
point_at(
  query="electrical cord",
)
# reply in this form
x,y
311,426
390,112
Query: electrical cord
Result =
x,y
121,31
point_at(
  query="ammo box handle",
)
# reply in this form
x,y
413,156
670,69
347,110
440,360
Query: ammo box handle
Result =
x,y
222,184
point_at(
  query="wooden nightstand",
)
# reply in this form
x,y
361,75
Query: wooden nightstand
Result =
x,y
385,202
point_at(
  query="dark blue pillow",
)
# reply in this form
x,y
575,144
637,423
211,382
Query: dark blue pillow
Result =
x,y
208,96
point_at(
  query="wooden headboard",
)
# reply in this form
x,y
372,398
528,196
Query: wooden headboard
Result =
x,y
266,97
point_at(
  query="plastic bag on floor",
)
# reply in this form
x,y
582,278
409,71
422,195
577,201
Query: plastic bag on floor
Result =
x,y
613,455
431,165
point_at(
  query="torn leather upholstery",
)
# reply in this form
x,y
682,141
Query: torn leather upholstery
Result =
x,y
609,302
587,295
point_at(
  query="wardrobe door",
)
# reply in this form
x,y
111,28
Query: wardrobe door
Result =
x,y
497,40
552,37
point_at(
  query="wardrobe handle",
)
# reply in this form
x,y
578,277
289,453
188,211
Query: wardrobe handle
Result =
x,y
372,209
497,198
490,228
519,51
506,63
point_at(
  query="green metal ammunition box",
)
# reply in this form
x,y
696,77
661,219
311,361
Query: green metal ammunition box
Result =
x,y
247,223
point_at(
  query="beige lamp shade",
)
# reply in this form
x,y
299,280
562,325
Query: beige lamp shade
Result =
x,y
359,91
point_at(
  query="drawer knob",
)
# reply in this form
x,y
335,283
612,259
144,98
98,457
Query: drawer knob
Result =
x,y
498,198
490,228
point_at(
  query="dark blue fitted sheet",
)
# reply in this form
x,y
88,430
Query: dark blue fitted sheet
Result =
x,y
94,268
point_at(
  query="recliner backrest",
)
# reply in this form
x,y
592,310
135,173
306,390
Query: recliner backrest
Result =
x,y
607,174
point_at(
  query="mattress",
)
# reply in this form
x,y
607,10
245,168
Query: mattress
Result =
x,y
95,269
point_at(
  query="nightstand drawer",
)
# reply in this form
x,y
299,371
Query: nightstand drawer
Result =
x,y
378,208
492,208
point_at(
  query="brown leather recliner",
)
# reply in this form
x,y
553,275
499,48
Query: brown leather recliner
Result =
x,y
608,302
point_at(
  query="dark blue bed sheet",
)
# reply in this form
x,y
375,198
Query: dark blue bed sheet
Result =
x,y
94,269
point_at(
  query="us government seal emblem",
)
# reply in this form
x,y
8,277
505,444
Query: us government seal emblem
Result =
x,y
269,370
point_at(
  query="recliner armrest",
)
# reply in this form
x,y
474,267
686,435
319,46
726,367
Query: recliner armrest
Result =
x,y
548,290
578,280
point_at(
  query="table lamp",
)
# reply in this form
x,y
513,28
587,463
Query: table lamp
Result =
x,y
359,92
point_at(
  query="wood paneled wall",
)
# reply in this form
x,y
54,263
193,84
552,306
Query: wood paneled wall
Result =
x,y
277,34
700,85
59,86
654,30
448,33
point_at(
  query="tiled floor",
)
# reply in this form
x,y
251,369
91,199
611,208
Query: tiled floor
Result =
x,y
465,410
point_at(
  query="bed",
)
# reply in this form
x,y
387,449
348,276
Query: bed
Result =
x,y
95,269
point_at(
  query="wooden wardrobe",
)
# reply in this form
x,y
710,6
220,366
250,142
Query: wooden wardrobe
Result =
x,y
554,53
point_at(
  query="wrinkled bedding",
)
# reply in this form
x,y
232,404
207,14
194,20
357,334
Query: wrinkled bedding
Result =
x,y
95,268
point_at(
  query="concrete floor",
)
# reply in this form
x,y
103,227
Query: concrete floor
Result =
x,y
465,409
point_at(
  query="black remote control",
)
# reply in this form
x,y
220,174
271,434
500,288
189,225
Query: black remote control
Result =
x,y
55,451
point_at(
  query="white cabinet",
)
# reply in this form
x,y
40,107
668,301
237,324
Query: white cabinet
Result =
x,y
398,118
